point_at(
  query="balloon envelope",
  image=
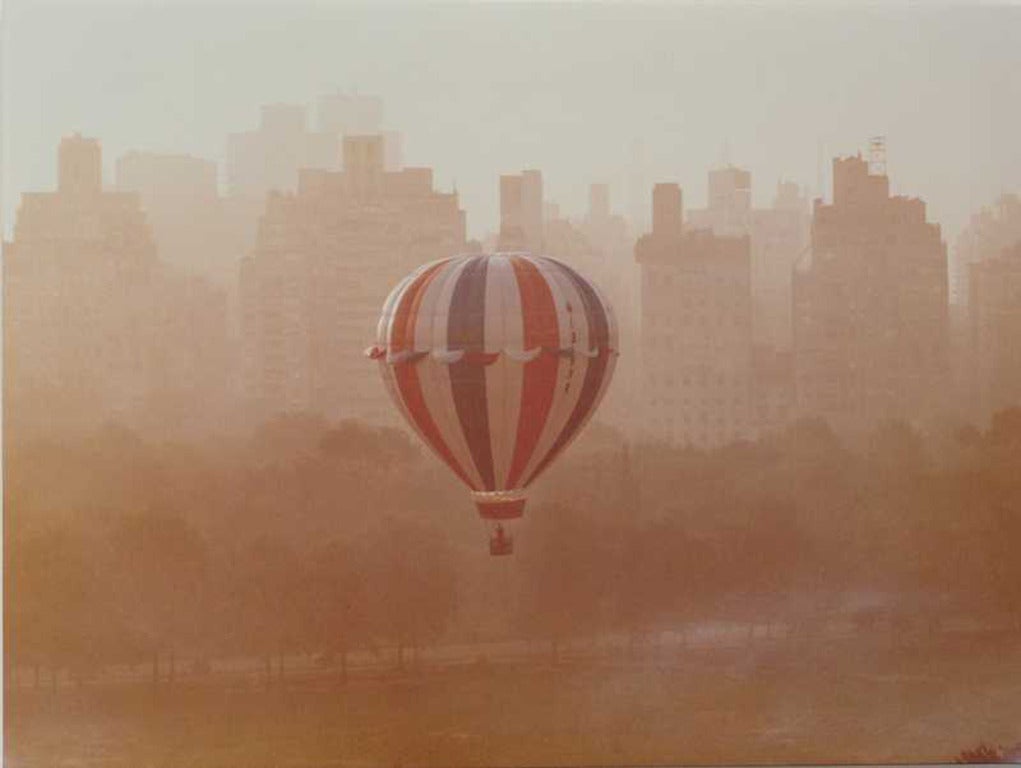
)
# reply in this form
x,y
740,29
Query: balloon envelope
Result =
x,y
497,361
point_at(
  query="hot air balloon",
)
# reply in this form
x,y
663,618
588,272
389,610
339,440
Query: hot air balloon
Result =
x,y
497,361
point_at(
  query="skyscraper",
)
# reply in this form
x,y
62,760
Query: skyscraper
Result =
x,y
521,212
779,235
512,230
667,212
269,158
96,326
179,196
870,306
610,263
988,233
983,276
730,202
994,316
342,114
696,343
393,151
325,259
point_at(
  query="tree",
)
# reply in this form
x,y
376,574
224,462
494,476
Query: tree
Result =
x,y
897,449
357,443
159,565
1005,428
658,575
412,571
288,436
53,603
271,584
340,598
568,571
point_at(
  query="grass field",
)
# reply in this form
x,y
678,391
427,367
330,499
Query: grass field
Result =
x,y
764,703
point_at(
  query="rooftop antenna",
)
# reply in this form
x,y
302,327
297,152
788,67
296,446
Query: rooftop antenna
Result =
x,y
877,156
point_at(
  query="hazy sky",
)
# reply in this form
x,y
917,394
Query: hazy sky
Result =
x,y
584,91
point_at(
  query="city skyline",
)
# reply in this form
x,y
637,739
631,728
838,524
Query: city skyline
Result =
x,y
842,312
781,101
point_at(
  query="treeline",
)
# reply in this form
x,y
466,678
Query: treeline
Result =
x,y
318,538
306,538
150,591
898,531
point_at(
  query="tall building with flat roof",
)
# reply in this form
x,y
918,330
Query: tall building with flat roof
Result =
x,y
270,157
988,233
870,306
512,232
779,235
79,166
364,166
611,264
393,151
179,195
196,231
342,114
696,342
994,329
324,261
730,201
982,253
521,212
667,211
153,175
96,326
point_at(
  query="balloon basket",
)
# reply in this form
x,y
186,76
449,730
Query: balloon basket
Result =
x,y
501,543
499,547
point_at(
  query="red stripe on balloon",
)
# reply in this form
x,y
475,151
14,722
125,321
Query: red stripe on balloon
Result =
x,y
406,374
598,335
541,329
